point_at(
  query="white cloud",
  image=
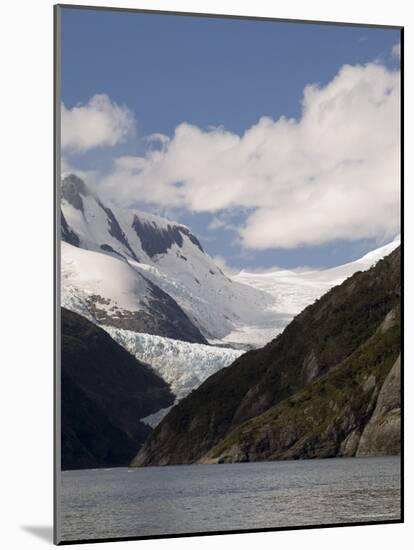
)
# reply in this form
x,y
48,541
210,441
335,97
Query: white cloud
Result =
x,y
332,174
161,139
100,122
218,222
90,177
396,51
230,270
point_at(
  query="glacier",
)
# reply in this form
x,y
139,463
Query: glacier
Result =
x,y
181,364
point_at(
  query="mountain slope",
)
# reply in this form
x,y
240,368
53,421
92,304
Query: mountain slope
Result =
x,y
291,291
315,342
109,291
104,393
247,309
162,252
328,417
382,434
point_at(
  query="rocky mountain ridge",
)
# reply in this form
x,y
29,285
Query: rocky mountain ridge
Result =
x,y
328,342
158,264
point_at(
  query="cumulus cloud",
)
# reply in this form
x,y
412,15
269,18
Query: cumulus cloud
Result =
x,y
222,223
100,122
230,270
90,177
396,51
333,173
161,139
216,223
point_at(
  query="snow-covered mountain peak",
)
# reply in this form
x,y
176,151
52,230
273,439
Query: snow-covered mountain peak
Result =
x,y
246,309
73,189
167,254
91,224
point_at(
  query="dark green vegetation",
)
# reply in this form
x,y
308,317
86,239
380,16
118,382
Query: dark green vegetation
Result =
x,y
325,419
105,391
311,392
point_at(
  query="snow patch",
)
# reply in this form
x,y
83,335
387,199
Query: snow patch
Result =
x,y
89,273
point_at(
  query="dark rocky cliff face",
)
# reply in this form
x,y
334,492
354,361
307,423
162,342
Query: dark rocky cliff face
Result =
x,y
157,240
382,434
67,234
116,231
341,338
73,189
105,392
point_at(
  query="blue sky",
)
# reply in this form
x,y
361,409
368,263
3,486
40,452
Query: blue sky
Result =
x,y
211,72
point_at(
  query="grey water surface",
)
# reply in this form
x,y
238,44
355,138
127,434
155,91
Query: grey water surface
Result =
x,y
122,502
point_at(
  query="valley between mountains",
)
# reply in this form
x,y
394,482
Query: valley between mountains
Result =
x,y
168,360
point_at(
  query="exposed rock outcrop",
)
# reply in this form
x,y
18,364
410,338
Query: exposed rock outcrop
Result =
x,y
308,393
157,240
382,434
353,407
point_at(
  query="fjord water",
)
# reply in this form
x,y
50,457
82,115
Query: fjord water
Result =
x,y
122,502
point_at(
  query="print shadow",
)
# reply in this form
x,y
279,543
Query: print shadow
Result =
x,y
44,532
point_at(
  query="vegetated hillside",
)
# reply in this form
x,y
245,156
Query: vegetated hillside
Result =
x,y
104,393
382,434
330,415
337,327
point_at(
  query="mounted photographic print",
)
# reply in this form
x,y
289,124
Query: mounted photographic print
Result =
x,y
228,274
